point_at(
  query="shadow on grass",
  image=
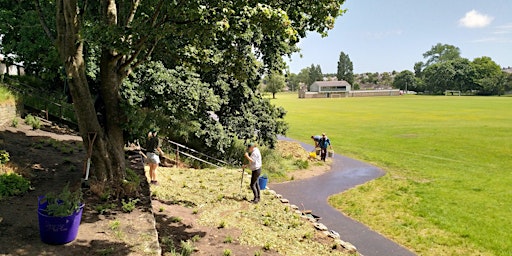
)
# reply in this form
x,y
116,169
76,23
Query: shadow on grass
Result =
x,y
171,232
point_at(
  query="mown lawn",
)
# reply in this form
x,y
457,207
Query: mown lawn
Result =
x,y
449,163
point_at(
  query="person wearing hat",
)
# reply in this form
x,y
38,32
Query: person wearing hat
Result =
x,y
253,155
323,143
153,152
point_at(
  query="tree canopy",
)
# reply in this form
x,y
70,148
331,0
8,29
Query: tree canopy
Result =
x,y
275,83
345,68
405,80
441,53
220,47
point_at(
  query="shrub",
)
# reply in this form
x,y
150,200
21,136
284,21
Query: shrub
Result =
x,y
187,248
63,204
4,157
130,205
13,184
29,119
227,252
33,121
15,122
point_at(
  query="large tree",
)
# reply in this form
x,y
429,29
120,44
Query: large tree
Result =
x,y
405,80
275,83
449,75
345,68
488,76
221,39
315,74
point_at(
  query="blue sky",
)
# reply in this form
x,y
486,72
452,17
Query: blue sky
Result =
x,y
392,35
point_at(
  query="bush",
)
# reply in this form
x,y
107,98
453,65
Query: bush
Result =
x,y
33,121
15,122
13,184
4,157
130,205
63,204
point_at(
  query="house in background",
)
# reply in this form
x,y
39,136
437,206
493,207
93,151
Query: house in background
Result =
x,y
326,89
340,89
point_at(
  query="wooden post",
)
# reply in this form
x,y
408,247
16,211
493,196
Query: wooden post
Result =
x,y
177,156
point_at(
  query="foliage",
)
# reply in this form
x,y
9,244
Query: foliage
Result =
x,y
33,121
4,157
345,69
5,94
405,80
229,44
440,153
315,74
488,76
24,40
189,111
104,208
275,83
129,206
15,121
63,204
449,75
441,53
13,184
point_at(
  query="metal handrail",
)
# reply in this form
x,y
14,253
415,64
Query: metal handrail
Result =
x,y
195,151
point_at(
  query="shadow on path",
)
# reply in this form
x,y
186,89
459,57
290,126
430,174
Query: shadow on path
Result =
x,y
345,173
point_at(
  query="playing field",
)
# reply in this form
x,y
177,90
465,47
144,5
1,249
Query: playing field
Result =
x,y
448,190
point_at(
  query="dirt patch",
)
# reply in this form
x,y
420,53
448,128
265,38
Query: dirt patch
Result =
x,y
50,161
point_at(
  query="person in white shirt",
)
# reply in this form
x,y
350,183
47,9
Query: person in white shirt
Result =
x,y
253,155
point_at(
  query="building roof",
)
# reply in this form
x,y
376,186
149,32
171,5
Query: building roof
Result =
x,y
331,83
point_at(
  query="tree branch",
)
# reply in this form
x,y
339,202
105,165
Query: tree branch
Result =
x,y
42,20
133,10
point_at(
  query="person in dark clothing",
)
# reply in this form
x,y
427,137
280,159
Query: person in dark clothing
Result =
x,y
253,155
317,139
153,152
323,143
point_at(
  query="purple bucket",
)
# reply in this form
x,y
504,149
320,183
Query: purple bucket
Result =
x,y
58,230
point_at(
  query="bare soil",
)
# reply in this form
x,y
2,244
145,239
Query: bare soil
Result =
x,y
49,166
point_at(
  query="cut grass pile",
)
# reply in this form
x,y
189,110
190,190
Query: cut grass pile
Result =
x,y
447,188
215,197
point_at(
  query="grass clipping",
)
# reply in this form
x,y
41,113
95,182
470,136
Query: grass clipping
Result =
x,y
215,195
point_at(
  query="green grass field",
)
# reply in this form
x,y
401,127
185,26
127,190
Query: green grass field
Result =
x,y
447,190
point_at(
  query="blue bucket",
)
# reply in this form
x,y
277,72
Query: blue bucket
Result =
x,y
262,181
58,230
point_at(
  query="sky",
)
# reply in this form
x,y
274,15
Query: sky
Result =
x,y
382,36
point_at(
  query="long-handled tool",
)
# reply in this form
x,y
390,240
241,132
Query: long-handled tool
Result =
x,y
241,183
85,182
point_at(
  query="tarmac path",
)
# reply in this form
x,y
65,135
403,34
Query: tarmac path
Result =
x,y
312,194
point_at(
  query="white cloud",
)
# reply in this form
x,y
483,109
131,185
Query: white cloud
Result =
x,y
474,19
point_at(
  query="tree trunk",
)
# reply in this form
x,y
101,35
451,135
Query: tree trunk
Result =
x,y
108,155
273,95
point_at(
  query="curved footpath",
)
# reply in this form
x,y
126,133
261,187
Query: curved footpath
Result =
x,y
312,194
